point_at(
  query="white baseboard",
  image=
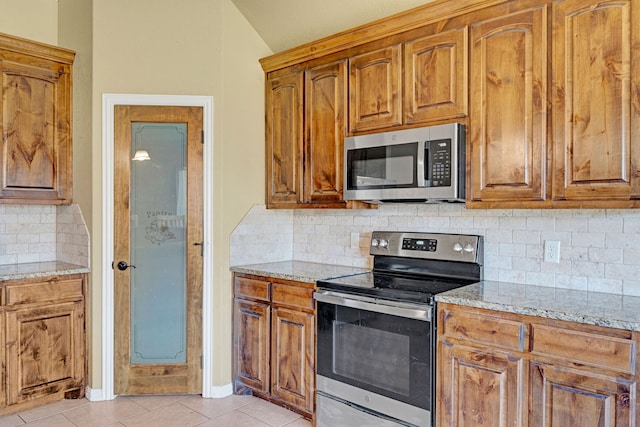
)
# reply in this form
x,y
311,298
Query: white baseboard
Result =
x,y
218,392
94,394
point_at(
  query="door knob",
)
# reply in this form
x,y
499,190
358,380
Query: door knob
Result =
x,y
122,266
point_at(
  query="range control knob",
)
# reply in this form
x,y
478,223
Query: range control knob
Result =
x,y
457,247
374,243
468,248
383,243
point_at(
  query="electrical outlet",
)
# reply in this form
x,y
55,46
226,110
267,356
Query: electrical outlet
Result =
x,y
552,251
355,240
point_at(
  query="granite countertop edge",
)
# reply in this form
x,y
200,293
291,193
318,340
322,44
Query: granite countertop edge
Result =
x,y
298,271
39,269
480,295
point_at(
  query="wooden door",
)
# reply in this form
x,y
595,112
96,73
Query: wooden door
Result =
x,y
436,74
292,355
375,85
480,388
158,250
252,341
45,350
284,135
596,121
570,397
325,114
508,123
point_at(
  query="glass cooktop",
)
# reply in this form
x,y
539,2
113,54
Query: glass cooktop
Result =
x,y
393,287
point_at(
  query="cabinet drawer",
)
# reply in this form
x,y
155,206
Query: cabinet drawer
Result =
x,y
584,348
485,329
251,288
292,295
44,292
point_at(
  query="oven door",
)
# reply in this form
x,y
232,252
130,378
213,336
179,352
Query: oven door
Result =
x,y
376,355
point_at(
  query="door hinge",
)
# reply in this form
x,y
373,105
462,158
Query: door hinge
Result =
x,y
202,137
201,362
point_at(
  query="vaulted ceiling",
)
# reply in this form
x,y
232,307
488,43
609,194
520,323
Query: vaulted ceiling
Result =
x,y
284,24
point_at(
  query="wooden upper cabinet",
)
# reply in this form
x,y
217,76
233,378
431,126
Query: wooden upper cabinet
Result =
x,y
36,157
375,84
436,75
596,99
508,122
325,116
284,131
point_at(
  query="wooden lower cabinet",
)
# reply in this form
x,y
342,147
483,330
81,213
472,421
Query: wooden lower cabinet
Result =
x,y
43,336
504,369
274,341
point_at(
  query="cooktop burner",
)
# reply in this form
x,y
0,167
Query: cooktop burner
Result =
x,y
413,267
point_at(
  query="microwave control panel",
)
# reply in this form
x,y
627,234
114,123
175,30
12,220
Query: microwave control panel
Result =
x,y
439,164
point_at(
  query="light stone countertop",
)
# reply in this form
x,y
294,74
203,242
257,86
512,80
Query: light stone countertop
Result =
x,y
39,269
299,271
594,308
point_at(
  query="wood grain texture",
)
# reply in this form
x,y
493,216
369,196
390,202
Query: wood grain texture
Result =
x,y
375,89
175,378
251,343
568,374
436,77
284,135
325,116
293,355
35,115
596,110
274,343
44,350
508,123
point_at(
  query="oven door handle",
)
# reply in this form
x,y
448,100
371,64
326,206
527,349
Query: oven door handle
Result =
x,y
408,311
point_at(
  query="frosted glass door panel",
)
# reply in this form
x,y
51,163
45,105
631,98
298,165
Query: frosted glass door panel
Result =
x,y
158,251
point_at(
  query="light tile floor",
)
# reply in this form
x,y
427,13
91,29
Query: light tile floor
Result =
x,y
158,411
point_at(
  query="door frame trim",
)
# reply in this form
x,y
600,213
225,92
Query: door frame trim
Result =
x,y
109,101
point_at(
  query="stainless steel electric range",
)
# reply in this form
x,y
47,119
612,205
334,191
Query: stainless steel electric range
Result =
x,y
376,331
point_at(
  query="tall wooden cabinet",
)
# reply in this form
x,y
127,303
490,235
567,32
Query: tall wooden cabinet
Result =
x,y
508,123
43,340
596,99
325,116
503,369
274,340
36,157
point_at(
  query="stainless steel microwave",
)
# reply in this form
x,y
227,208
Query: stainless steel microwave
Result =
x,y
411,165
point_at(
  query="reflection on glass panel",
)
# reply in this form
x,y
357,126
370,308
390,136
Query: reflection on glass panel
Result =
x,y
158,250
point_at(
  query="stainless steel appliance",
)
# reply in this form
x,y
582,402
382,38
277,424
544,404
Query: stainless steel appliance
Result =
x,y
412,165
376,331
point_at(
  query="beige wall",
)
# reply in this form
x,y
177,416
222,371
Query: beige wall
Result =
x,y
31,19
199,47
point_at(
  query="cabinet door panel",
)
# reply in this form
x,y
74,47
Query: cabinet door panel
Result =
x,y
45,351
325,105
480,388
508,121
375,99
284,139
35,120
596,56
563,397
436,75
292,377
251,344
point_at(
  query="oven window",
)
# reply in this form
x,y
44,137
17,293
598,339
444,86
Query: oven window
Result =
x,y
392,166
385,367
381,353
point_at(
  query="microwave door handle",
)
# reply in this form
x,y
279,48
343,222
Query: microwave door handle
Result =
x,y
422,163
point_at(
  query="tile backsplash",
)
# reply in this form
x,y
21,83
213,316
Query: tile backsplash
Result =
x,y
40,233
598,247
